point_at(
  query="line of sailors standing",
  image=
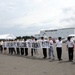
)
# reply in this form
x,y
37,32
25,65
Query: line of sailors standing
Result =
x,y
20,47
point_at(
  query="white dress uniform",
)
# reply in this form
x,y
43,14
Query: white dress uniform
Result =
x,y
70,46
59,49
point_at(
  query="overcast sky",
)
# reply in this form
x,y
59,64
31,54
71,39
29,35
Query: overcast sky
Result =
x,y
28,17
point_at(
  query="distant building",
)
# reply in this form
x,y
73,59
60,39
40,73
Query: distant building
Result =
x,y
37,36
64,32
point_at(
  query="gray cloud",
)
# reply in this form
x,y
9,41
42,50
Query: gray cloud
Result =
x,y
71,19
66,10
68,18
22,17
